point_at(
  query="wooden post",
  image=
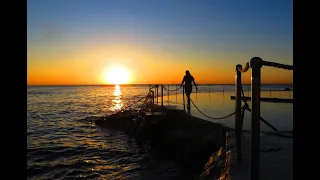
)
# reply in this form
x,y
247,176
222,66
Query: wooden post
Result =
x,y
238,111
168,93
161,95
154,96
256,64
157,93
176,93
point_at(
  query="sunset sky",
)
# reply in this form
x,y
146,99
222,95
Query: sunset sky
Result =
x,y
156,41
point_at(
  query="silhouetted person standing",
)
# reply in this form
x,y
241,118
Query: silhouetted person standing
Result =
x,y
187,80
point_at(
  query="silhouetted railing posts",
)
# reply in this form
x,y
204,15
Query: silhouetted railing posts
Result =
x,y
256,64
155,100
157,93
176,93
152,95
238,128
162,95
176,88
168,93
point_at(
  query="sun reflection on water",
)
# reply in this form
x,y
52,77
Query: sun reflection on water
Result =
x,y
116,102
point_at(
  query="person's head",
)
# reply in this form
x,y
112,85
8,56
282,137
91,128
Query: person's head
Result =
x,y
187,72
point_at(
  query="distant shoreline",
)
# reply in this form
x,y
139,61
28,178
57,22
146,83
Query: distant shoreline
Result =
x,y
136,85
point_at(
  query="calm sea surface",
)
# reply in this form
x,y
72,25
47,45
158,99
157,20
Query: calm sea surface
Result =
x,y
62,144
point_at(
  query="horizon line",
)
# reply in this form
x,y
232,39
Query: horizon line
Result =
x,y
150,84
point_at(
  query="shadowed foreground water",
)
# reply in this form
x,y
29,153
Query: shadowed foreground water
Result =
x,y
63,144
78,150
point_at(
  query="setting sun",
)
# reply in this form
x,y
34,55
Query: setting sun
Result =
x,y
116,75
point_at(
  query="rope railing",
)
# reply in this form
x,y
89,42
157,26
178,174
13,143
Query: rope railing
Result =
x,y
265,63
137,100
153,87
171,90
277,65
277,132
246,106
255,64
194,104
133,104
139,121
209,116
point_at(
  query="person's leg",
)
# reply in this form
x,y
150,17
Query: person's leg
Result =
x,y
188,99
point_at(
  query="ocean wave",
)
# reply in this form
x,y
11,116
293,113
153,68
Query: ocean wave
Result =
x,y
89,162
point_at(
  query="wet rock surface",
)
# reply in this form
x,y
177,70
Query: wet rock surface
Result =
x,y
195,143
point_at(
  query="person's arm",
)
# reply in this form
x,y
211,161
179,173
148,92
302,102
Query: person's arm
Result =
x,y
194,82
182,82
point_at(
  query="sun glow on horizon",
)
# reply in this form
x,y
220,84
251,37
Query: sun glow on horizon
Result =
x,y
116,75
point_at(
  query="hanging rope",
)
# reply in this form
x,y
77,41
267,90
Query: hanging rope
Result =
x,y
209,116
132,104
138,100
153,87
171,90
142,98
277,132
248,108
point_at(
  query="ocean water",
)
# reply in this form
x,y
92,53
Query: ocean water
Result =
x,y
63,144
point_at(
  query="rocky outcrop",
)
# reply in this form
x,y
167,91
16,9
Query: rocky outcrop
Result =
x,y
189,140
215,167
121,120
197,144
